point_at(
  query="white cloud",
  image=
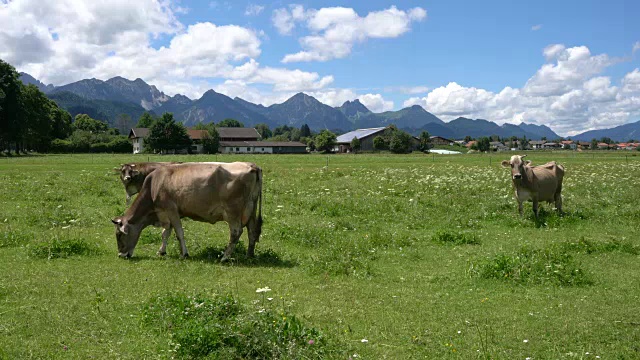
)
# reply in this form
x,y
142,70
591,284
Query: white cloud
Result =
x,y
253,10
284,20
568,93
636,47
536,27
114,39
572,67
376,103
335,30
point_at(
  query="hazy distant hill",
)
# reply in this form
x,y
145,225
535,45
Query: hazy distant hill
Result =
x,y
215,107
108,99
28,79
619,133
97,109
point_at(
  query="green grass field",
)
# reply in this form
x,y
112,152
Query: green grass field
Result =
x,y
424,256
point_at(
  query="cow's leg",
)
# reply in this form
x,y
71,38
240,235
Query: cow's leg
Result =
x,y
177,225
558,199
128,199
235,230
166,232
520,207
535,208
253,234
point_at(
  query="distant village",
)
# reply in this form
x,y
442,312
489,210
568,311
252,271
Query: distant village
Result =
x,y
241,140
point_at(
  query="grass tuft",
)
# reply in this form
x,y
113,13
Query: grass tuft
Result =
x,y
61,248
219,327
548,266
586,246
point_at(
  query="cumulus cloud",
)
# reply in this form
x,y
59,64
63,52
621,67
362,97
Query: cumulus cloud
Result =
x,y
636,47
375,102
335,30
568,93
107,39
536,27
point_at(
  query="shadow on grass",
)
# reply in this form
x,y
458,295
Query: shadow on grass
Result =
x,y
552,218
266,258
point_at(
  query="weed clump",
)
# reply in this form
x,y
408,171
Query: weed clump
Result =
x,y
548,266
455,238
587,246
219,327
61,248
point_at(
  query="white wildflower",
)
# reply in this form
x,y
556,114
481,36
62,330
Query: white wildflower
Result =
x,y
262,290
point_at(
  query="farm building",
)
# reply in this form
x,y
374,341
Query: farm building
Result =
x,y
551,145
498,146
569,144
262,147
439,140
137,135
536,145
238,134
366,136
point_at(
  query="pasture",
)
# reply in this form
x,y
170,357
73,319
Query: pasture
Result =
x,y
379,256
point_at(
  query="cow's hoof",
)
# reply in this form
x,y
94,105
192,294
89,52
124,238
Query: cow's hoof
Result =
x,y
161,253
185,256
224,259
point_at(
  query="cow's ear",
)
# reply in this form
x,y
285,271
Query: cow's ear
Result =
x,y
505,163
527,162
117,221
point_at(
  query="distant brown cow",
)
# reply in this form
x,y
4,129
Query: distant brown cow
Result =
x,y
536,183
207,192
132,175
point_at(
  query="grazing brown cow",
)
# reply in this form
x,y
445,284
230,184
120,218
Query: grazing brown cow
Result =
x,y
132,175
536,183
207,192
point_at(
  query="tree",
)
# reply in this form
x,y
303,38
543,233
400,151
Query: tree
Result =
x,y
594,144
400,142
468,138
379,143
425,141
484,144
230,123
124,123
281,130
355,144
544,138
325,141
11,109
305,131
607,140
166,134
84,122
38,118
146,120
211,141
264,131
523,143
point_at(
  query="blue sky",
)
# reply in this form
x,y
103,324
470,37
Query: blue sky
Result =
x,y
454,58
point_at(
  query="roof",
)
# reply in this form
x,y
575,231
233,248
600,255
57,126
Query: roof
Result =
x,y
470,143
197,134
551,144
235,132
496,143
263,143
567,142
440,137
359,133
138,132
536,142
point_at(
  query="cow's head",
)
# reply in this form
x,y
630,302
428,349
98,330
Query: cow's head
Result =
x,y
128,172
517,166
127,236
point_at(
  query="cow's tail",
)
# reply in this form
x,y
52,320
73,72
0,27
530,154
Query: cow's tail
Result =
x,y
259,217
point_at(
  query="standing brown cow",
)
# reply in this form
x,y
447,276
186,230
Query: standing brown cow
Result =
x,y
207,192
132,175
536,183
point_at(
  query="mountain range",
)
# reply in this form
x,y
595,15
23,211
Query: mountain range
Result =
x,y
107,99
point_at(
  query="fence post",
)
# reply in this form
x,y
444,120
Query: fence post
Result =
x,y
327,161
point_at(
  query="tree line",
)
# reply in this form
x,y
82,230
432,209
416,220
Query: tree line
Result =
x,y
29,121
